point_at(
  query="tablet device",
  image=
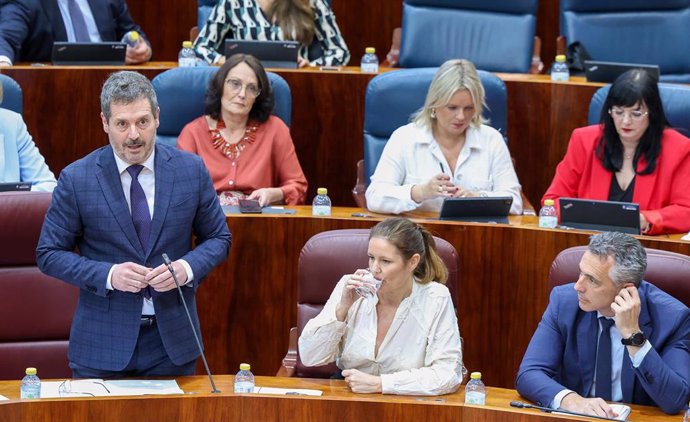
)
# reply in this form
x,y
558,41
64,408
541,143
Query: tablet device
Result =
x,y
482,210
15,186
89,53
597,71
281,54
249,206
590,214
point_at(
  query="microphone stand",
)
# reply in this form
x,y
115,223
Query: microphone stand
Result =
x,y
522,405
189,317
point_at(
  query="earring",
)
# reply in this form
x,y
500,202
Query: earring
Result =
x,y
433,113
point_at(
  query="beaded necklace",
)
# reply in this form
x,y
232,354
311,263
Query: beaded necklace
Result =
x,y
232,151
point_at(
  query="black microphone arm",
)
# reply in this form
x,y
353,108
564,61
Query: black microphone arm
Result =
x,y
523,405
189,317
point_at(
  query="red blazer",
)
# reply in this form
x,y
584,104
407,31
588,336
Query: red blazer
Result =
x,y
664,195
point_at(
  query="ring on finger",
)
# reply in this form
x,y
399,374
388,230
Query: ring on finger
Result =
x,y
440,189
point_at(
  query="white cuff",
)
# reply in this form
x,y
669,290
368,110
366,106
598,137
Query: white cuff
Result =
x,y
639,356
556,403
188,270
109,280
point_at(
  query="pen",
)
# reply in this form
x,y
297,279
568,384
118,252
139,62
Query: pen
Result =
x,y
441,164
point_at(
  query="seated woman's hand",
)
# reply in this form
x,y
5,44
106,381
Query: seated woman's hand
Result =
x,y
267,196
439,185
359,382
465,193
349,295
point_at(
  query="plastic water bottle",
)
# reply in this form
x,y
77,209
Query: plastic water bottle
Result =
x,y
31,385
475,391
369,63
686,418
187,56
244,380
321,205
547,215
131,38
559,70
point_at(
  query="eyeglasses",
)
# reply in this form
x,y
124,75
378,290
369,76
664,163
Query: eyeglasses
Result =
x,y
69,388
635,115
236,85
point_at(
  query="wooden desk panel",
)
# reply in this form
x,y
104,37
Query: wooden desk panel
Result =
x,y
248,304
337,403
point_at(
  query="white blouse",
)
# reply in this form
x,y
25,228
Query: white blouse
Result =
x,y
412,156
420,355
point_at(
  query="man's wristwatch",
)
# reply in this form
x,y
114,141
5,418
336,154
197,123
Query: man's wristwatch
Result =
x,y
636,339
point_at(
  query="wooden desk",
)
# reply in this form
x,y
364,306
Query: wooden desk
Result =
x,y
337,403
248,304
61,109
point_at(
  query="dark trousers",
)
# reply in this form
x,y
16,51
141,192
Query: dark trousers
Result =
x,y
149,360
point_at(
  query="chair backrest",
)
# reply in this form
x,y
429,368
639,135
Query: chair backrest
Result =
x,y
11,94
329,255
669,271
35,309
181,92
632,31
392,97
496,35
675,99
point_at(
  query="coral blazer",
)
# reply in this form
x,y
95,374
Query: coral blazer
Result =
x,y
663,195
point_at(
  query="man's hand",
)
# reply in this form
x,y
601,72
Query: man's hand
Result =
x,y
626,306
139,53
129,277
359,382
594,406
161,280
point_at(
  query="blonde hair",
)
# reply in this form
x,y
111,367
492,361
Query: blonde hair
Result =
x,y
295,18
409,238
453,76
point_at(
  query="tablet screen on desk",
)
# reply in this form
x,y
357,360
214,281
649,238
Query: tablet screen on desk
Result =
x,y
482,210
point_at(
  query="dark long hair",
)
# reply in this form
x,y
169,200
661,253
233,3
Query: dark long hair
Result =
x,y
410,238
263,104
632,87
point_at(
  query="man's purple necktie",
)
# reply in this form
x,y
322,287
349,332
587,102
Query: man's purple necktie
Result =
x,y
140,212
81,33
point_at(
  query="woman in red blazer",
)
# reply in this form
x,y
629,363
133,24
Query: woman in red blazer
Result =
x,y
631,156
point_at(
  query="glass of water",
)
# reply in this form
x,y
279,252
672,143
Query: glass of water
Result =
x,y
371,284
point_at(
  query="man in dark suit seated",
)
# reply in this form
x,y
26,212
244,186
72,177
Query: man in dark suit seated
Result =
x,y
642,354
28,28
114,213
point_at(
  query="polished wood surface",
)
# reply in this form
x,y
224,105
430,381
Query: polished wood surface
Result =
x,y
248,304
61,110
337,403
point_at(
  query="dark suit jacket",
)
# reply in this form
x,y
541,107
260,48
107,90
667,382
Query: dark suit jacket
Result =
x,y
28,28
562,353
89,212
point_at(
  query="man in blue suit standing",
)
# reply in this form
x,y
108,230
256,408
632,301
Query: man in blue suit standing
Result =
x,y
609,337
113,214
28,28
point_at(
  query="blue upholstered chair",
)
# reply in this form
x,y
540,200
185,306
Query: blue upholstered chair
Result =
x,y
675,98
496,35
181,92
392,97
632,31
11,94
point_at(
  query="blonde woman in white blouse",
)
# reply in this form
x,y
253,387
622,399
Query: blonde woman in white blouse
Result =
x,y
447,150
404,339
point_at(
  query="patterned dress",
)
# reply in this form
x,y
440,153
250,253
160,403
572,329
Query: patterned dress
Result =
x,y
244,20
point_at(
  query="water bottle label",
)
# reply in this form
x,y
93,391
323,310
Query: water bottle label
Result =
x,y
187,62
560,76
475,397
244,387
369,68
548,222
30,392
321,210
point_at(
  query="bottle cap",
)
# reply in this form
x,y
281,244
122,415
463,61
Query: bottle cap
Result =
x,y
370,50
30,371
133,35
476,375
187,44
244,367
322,191
548,202
560,58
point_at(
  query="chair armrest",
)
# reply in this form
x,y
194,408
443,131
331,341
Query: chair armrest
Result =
x,y
287,369
359,190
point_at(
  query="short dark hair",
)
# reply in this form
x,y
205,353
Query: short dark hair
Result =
x,y
263,105
632,87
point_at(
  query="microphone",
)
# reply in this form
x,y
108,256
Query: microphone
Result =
x,y
191,324
523,405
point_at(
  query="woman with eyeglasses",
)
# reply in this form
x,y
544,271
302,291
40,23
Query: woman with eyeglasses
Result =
x,y
631,156
248,152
